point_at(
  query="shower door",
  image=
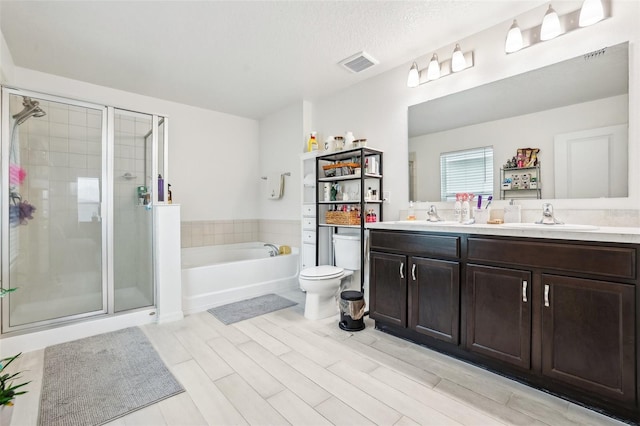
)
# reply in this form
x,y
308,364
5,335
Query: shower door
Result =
x,y
132,214
77,230
53,245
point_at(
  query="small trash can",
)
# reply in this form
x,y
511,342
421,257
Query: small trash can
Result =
x,y
351,311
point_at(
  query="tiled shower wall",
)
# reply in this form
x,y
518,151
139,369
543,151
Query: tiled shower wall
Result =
x,y
56,150
216,232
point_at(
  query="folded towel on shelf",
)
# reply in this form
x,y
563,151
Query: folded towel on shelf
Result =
x,y
275,186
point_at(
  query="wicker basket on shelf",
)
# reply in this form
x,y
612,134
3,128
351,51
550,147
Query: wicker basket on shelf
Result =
x,y
340,169
343,218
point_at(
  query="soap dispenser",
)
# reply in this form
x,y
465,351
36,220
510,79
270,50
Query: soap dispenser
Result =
x,y
466,208
411,215
457,208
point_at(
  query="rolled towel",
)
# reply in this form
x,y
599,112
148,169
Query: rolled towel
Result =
x,y
285,250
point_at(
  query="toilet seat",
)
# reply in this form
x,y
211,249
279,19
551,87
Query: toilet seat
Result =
x,y
322,272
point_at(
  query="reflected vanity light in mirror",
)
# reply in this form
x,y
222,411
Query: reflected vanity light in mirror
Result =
x,y
437,69
554,25
575,99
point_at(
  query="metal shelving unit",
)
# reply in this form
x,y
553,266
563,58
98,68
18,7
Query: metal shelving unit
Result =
x,y
530,187
356,182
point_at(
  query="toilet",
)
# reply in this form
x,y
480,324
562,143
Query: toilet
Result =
x,y
322,283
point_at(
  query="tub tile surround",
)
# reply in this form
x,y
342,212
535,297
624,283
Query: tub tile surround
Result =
x,y
216,232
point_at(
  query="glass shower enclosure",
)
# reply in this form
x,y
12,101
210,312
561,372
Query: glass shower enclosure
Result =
x,y
77,218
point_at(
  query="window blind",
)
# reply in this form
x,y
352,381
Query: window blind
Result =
x,y
469,171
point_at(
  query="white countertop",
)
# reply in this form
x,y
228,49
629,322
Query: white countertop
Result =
x,y
558,232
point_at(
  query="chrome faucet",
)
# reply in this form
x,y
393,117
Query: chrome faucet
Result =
x,y
548,217
273,250
432,214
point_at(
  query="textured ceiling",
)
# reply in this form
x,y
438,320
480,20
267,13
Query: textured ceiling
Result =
x,y
242,58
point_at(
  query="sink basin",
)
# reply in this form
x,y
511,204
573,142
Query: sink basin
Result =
x,y
556,227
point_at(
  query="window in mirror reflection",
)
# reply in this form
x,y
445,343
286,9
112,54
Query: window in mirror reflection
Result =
x,y
469,171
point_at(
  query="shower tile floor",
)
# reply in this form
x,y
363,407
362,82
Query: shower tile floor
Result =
x,y
280,368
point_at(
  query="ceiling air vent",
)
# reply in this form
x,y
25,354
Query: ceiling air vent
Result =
x,y
358,62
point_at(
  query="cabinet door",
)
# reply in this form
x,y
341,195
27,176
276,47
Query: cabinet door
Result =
x,y
588,335
434,298
499,314
388,288
308,255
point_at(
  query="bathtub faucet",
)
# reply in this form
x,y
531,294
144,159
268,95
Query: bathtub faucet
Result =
x,y
273,250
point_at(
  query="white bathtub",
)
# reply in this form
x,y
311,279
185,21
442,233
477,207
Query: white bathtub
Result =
x,y
217,275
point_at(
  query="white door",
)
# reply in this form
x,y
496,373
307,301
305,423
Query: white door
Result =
x,y
591,163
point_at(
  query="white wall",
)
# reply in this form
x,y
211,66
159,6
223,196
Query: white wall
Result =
x,y
6,61
213,157
280,141
377,108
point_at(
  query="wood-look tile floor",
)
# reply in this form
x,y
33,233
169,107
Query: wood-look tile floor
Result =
x,y
280,369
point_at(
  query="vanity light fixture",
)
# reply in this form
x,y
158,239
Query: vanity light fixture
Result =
x,y
554,25
514,38
550,25
591,12
414,76
433,70
459,61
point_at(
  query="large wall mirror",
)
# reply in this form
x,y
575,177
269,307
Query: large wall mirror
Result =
x,y
576,112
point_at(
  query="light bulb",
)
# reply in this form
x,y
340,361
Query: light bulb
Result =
x,y
433,71
514,38
550,25
414,76
458,62
591,12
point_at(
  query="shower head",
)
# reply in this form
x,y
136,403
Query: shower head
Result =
x,y
31,109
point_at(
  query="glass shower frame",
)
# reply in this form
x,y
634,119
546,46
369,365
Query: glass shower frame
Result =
x,y
107,187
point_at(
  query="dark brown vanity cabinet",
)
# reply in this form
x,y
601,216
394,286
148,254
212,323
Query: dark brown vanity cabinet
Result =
x,y
588,335
434,298
415,292
388,288
499,314
557,314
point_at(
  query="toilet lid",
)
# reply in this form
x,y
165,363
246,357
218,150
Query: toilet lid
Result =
x,y
321,272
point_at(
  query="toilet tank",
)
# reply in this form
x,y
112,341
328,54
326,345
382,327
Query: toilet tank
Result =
x,y
347,251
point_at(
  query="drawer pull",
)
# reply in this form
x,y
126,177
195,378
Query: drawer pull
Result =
x,y
524,291
402,270
546,295
413,271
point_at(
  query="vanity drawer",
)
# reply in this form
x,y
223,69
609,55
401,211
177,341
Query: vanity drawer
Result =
x,y
309,237
308,223
418,244
618,262
308,210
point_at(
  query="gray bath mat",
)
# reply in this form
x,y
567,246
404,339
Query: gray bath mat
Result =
x,y
245,309
95,380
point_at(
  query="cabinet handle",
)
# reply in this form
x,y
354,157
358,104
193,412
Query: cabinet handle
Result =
x,y
402,270
413,271
546,295
524,291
